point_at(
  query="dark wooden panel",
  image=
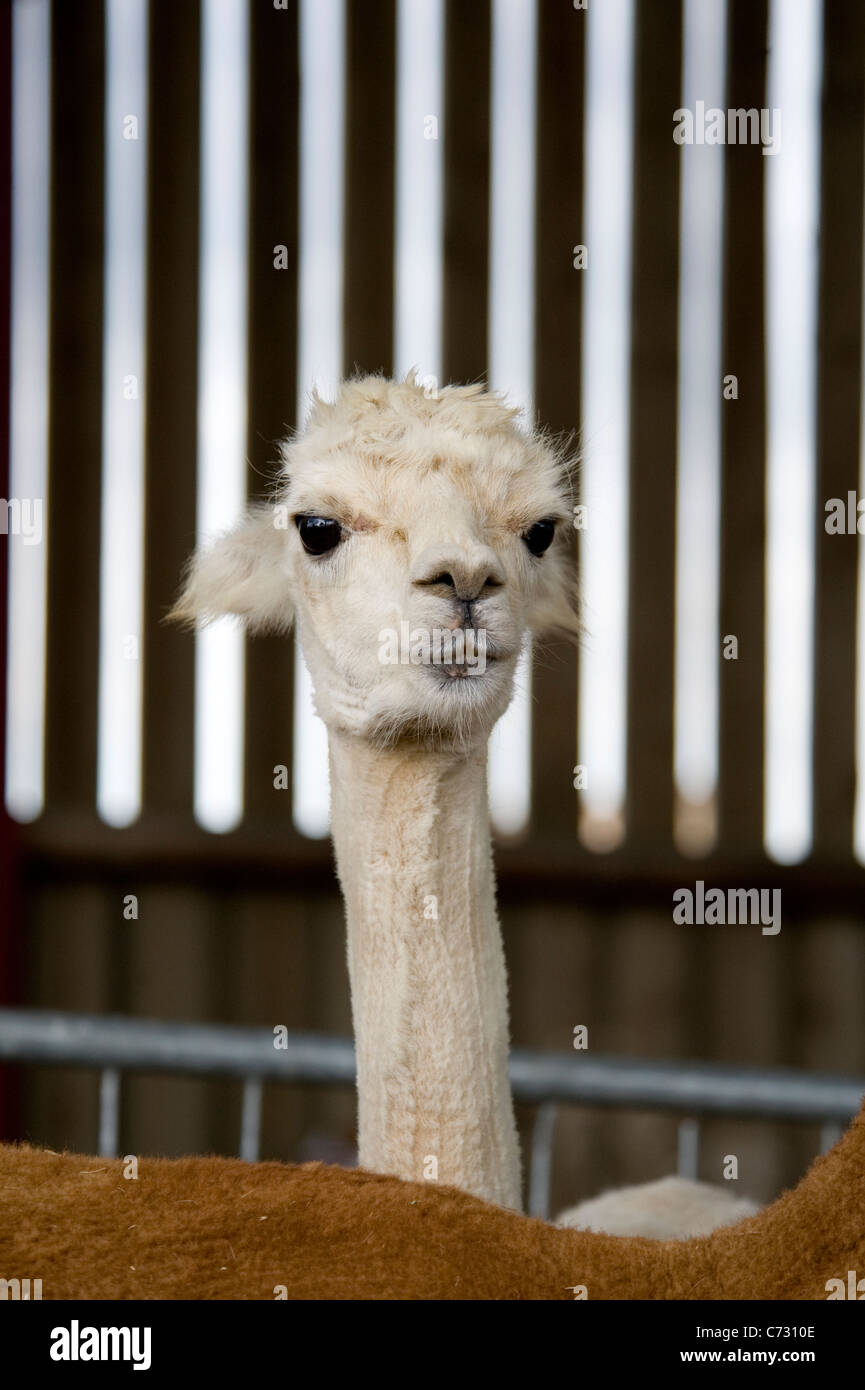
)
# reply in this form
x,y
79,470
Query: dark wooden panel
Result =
x,y
838,423
654,375
546,1004
70,966
75,428
330,1113
824,1000
171,971
558,302
70,849
272,369
167,968
266,969
559,214
743,982
369,185
172,397
829,1000
641,1014
466,189
743,452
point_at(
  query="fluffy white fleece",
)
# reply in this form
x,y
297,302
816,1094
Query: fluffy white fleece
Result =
x,y
669,1209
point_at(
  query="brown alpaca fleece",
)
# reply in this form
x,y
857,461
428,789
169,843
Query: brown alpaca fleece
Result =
x,y
218,1228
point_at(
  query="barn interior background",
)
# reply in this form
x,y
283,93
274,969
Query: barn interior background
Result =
x,y
217,204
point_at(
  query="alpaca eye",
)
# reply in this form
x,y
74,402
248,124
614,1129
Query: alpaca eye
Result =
x,y
539,537
318,534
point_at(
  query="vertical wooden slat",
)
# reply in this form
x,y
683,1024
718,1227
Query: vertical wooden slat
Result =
x,y
547,1002
743,451
272,368
654,374
824,1001
736,994
173,974
268,959
167,951
643,1017
172,398
558,300
369,185
744,1021
654,364
838,423
559,213
831,996
466,189
69,967
75,429
330,1112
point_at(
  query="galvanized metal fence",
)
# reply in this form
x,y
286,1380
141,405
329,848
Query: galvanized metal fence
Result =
x,y
254,1056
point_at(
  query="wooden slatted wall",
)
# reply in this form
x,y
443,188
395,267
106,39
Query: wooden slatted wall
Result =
x,y
248,927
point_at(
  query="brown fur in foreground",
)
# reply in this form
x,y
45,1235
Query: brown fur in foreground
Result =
x,y
217,1228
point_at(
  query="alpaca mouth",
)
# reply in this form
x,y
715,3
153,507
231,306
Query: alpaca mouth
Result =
x,y
462,670
456,673
451,654
476,653
466,679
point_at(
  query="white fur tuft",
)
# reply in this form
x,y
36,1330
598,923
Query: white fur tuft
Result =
x,y
670,1209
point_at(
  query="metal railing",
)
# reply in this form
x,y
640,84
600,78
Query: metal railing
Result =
x,y
115,1045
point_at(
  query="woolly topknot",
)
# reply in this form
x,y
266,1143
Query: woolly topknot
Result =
x,y
469,409
466,430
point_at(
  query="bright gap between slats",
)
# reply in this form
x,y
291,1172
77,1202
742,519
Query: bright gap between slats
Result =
x,y
511,333
605,423
418,230
118,795
219,651
698,513
792,208
31,169
859,809
322,112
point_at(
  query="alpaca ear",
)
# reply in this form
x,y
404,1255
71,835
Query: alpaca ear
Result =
x,y
243,572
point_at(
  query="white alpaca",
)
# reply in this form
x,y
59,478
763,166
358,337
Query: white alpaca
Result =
x,y
668,1209
394,507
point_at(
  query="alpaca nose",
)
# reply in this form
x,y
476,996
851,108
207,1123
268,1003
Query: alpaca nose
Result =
x,y
465,575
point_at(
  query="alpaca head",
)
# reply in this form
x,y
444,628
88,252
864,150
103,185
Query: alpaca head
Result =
x,y
417,540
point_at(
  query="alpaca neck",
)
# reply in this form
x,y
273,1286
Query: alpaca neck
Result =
x,y
428,983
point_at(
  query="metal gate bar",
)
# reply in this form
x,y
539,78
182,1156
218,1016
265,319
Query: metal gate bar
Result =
x,y
255,1055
